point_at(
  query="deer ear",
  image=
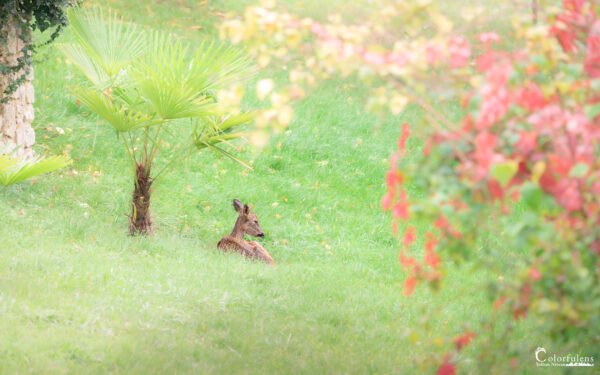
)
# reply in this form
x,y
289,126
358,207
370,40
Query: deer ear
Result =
x,y
237,205
246,209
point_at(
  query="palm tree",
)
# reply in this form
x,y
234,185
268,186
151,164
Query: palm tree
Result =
x,y
150,85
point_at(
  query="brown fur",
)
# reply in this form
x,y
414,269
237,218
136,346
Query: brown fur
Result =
x,y
246,223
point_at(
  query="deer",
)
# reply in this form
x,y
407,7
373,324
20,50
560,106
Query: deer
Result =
x,y
246,223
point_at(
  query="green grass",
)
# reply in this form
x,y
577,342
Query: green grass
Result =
x,y
77,295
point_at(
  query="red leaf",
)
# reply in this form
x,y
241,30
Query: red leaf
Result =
x,y
574,5
487,38
446,368
565,36
568,195
495,95
431,241
485,61
514,363
592,57
484,155
406,261
403,137
455,233
409,285
566,23
499,302
374,58
395,227
519,312
431,258
495,189
400,210
460,52
535,274
409,236
463,340
468,122
433,53
527,142
465,102
319,31
555,181
531,97
393,178
386,201
485,141
547,181
596,247
441,222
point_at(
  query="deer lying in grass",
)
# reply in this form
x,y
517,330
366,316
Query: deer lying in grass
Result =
x,y
247,223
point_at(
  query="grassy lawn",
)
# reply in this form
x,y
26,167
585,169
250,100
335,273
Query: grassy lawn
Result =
x,y
77,295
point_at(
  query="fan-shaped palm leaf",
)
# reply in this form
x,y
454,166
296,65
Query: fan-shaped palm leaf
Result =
x,y
103,42
220,130
171,82
215,66
7,163
90,68
13,170
165,78
121,117
239,119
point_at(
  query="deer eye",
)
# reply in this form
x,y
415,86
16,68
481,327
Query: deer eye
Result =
x,y
255,221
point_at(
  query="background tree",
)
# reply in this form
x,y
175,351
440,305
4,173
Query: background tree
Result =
x,y
18,19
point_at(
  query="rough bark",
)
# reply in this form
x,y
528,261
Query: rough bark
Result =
x,y
140,221
16,116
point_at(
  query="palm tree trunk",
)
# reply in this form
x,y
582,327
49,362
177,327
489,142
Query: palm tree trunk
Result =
x,y
16,115
140,221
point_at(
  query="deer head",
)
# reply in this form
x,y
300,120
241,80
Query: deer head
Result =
x,y
247,221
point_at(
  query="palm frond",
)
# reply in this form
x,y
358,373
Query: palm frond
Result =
x,y
229,155
215,66
211,141
172,82
89,67
7,163
164,78
13,170
219,130
140,80
104,42
239,119
122,118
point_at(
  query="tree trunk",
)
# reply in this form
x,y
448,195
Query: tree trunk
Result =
x,y
139,221
17,114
